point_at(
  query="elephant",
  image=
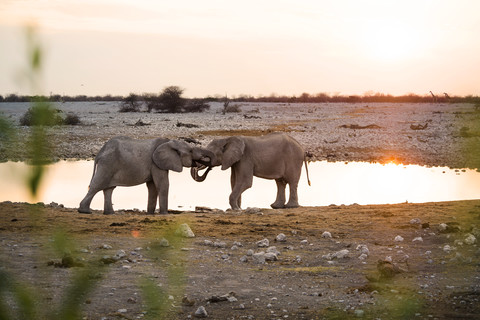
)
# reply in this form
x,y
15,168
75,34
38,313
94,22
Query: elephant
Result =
x,y
123,161
273,156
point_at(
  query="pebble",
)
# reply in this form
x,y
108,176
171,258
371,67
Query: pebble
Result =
x,y
259,257
281,237
470,239
244,259
415,221
398,239
185,231
326,234
363,249
417,239
201,312
250,252
263,243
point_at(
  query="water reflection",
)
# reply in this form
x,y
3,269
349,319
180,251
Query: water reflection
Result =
x,y
332,183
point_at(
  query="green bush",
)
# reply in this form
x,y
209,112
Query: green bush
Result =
x,y
41,115
71,119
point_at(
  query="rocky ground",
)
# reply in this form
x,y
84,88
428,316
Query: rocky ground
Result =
x,y
404,261
426,134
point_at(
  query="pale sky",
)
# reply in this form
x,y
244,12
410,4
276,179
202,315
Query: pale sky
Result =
x,y
253,47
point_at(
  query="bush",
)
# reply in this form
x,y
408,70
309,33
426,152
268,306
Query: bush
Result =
x,y
171,99
196,105
131,103
41,115
71,119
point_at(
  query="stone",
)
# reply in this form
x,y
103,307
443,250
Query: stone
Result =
x,y
273,250
270,256
259,257
363,249
201,312
250,252
417,239
470,239
263,243
281,237
415,221
184,231
244,259
398,239
326,235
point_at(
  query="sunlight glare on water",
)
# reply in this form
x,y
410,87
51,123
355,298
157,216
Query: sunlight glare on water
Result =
x,y
338,183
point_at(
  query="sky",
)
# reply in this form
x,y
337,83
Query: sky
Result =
x,y
248,47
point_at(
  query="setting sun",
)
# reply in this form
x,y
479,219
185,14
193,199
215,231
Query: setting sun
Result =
x,y
390,41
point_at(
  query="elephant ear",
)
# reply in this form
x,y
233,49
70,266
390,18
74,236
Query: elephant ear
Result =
x,y
233,152
169,156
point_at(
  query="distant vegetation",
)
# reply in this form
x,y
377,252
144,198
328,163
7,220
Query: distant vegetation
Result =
x,y
166,100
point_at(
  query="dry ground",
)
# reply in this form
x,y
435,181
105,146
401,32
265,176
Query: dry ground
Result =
x,y
433,281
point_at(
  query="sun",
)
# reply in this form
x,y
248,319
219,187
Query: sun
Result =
x,y
390,41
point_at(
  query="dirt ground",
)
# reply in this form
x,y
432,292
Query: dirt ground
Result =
x,y
403,261
434,271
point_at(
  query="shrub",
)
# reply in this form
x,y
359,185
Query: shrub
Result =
x,y
130,104
171,99
71,119
41,115
196,105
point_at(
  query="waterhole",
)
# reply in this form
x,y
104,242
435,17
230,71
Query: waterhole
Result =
x,y
66,182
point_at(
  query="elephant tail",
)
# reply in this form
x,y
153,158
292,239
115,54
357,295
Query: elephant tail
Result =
x,y
306,169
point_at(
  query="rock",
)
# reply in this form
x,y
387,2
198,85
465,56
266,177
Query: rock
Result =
x,y
164,243
305,241
326,235
417,239
470,239
363,256
263,243
363,249
220,244
120,255
226,297
201,312
122,310
337,255
106,247
250,252
238,244
208,243
281,237
253,211
270,256
398,239
447,248
187,302
415,221
259,257
273,250
184,231
244,259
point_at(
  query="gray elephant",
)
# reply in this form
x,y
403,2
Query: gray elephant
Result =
x,y
123,161
274,156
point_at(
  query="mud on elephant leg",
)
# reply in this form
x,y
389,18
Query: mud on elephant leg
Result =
x,y
280,201
108,206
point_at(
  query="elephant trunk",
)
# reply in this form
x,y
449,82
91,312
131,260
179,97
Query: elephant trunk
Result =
x,y
196,176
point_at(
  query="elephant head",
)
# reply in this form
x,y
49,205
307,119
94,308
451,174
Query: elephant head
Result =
x,y
226,152
174,155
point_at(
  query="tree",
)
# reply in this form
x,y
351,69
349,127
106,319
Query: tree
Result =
x,y
171,99
131,103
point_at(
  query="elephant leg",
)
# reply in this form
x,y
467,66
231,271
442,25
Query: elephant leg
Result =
x,y
240,183
280,201
85,203
152,197
108,206
293,199
160,179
